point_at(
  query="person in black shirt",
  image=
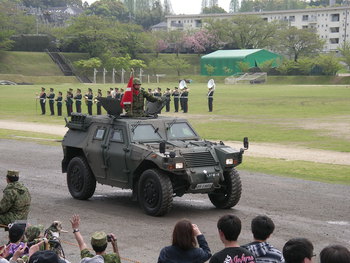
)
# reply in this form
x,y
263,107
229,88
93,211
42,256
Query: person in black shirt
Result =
x,y
42,100
229,227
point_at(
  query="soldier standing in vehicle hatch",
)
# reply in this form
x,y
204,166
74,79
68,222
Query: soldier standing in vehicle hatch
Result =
x,y
136,108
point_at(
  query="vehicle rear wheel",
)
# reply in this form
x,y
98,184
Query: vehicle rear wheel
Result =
x,y
155,192
80,180
229,193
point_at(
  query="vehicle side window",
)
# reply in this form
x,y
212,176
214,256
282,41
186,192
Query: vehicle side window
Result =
x,y
100,133
180,131
117,136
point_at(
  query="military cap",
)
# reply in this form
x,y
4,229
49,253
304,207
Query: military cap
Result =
x,y
79,90
42,88
51,89
89,89
13,173
33,232
167,89
99,239
137,81
70,89
99,90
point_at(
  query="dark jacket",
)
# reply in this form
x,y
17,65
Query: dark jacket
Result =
x,y
173,254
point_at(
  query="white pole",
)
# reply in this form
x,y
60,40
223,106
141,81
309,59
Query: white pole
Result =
x,y
113,76
95,72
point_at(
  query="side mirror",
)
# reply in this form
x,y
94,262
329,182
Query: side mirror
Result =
x,y
162,147
245,143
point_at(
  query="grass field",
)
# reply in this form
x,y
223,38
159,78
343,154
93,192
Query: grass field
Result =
x,y
314,116
310,116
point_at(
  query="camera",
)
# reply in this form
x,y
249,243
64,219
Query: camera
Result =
x,y
109,238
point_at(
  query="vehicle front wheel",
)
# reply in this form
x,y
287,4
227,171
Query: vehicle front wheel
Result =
x,y
155,192
229,193
80,180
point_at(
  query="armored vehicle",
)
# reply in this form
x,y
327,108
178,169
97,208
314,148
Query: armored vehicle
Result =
x,y
156,157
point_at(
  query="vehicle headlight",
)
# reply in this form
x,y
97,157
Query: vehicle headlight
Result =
x,y
229,161
179,165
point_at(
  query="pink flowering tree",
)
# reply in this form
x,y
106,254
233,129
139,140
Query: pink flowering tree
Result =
x,y
161,45
199,41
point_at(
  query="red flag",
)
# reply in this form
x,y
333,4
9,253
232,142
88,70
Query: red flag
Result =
x,y
128,94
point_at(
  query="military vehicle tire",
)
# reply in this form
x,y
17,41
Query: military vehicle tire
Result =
x,y
155,192
80,180
230,192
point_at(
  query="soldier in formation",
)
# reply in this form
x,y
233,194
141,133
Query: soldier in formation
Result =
x,y
184,100
51,98
167,95
69,103
176,95
210,98
42,98
16,199
78,98
89,100
98,103
59,103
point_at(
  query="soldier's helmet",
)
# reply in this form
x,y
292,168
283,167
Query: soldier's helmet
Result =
x,y
137,81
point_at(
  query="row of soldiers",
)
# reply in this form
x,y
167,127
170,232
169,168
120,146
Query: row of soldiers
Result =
x,y
180,98
69,101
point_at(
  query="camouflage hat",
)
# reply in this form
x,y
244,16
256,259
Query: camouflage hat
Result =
x,y
137,81
13,173
33,232
99,239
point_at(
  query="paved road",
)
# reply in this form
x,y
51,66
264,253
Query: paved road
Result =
x,y
271,150
318,211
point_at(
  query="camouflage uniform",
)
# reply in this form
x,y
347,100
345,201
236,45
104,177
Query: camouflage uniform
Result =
x,y
138,103
108,258
99,239
15,203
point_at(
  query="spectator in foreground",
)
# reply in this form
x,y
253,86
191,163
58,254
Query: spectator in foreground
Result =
x,y
335,254
298,250
183,248
99,242
229,227
262,227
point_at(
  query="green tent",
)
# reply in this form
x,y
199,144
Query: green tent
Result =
x,y
225,62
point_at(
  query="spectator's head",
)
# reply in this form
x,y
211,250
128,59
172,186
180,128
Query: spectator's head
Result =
x,y
262,227
298,250
12,176
99,241
335,254
230,226
44,256
183,236
16,232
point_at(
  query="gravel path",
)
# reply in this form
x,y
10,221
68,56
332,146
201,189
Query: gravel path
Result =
x,y
255,149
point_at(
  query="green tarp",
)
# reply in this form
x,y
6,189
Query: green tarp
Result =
x,y
225,62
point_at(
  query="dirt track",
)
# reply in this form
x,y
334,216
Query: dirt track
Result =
x,y
256,149
318,211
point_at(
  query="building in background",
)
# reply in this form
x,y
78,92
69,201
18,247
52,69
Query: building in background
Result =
x,y
331,23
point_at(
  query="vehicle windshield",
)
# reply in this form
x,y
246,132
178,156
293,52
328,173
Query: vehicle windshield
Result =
x,y
180,131
145,132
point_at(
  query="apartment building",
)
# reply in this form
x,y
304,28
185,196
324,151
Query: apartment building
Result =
x,y
331,23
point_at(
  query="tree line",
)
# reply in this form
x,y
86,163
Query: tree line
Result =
x,y
112,40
